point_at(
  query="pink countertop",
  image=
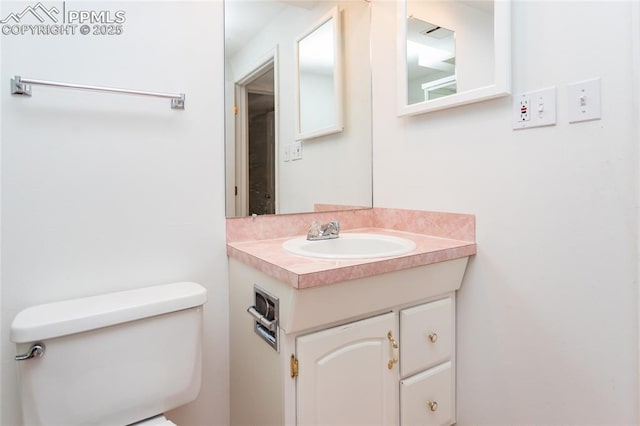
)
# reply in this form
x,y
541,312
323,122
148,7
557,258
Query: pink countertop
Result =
x,y
438,237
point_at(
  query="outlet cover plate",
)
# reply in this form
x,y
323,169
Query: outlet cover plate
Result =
x,y
541,109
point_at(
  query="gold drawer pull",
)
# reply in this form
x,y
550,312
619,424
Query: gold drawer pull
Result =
x,y
433,405
433,337
394,349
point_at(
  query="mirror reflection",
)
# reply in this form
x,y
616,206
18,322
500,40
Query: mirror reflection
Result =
x,y
269,169
431,61
451,52
319,79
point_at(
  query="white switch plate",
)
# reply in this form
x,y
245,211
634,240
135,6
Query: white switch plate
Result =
x,y
584,101
286,153
540,109
296,150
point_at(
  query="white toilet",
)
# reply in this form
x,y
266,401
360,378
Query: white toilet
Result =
x,y
114,359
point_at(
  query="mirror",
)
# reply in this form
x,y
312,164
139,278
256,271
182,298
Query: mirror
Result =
x,y
451,53
319,78
269,168
431,61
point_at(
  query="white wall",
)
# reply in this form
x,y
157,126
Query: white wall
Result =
x,y
106,192
547,313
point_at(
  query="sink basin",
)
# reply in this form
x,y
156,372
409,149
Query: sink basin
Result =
x,y
351,246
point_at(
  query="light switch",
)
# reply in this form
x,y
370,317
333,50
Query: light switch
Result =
x,y
296,150
584,101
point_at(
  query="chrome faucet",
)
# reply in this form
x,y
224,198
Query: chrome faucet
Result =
x,y
325,231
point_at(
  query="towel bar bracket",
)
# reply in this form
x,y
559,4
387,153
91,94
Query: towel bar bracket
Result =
x,y
178,103
20,88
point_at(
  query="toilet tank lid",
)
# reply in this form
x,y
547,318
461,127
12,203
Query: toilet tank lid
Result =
x,y
57,319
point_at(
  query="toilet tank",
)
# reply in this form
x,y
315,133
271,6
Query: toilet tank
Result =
x,y
112,359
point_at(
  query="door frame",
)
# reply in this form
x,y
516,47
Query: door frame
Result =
x,y
270,60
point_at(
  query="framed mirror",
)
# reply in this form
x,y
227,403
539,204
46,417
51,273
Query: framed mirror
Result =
x,y
451,53
331,171
319,78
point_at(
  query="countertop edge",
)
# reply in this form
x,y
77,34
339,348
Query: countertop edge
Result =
x,y
350,272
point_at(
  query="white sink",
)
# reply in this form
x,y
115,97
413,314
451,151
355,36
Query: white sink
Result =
x,y
351,246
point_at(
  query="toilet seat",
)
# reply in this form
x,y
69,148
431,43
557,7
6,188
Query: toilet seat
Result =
x,y
155,421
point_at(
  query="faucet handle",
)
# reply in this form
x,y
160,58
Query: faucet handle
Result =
x,y
331,229
318,231
314,230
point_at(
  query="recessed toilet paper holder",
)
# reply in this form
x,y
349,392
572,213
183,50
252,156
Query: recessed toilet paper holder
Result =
x,y
265,313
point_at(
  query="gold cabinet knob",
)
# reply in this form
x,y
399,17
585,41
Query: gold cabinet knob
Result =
x,y
433,405
433,337
394,350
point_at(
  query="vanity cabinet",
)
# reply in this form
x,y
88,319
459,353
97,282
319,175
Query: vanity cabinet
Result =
x,y
373,351
350,376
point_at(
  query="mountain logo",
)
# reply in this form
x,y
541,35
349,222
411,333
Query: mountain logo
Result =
x,y
39,11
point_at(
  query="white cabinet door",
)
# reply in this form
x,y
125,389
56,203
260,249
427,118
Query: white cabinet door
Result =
x,y
344,376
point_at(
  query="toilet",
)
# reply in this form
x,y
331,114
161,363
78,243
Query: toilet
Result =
x,y
115,359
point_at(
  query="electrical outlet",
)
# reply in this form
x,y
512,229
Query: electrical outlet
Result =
x,y
296,150
524,110
535,109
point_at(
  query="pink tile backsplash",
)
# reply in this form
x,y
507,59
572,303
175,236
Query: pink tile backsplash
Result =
x,y
447,225
257,241
335,207
289,225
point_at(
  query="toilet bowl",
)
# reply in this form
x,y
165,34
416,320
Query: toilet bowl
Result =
x,y
112,359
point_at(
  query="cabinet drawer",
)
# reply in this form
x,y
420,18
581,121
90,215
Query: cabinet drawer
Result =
x,y
426,335
427,398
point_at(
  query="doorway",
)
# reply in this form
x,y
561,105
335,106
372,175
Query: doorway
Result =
x,y
256,142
